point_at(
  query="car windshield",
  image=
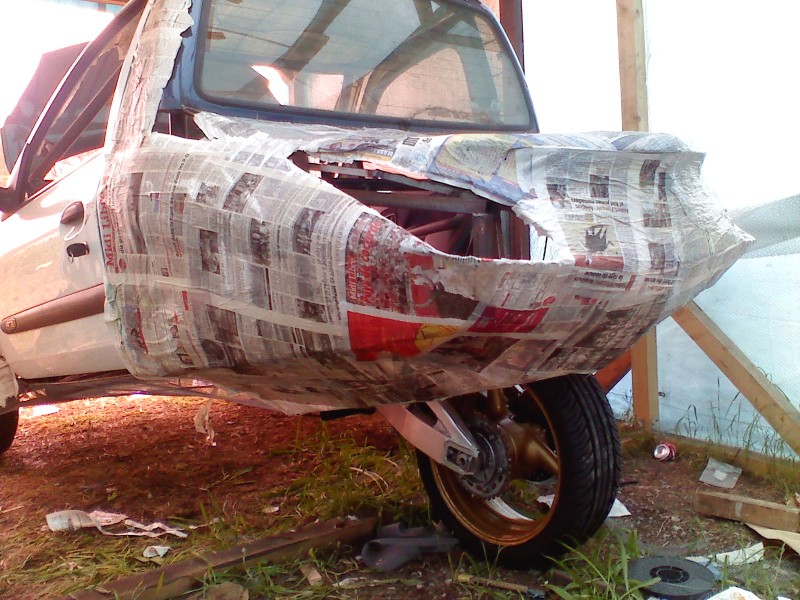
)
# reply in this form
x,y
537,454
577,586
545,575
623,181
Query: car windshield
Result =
x,y
396,60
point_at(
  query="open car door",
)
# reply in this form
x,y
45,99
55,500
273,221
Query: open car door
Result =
x,y
51,260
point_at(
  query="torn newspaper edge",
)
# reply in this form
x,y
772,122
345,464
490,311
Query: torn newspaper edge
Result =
x,y
618,509
735,593
744,556
72,520
227,262
156,551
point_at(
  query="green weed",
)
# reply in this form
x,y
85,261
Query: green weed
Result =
x,y
346,478
777,575
598,570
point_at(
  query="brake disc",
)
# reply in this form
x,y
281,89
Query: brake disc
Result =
x,y
491,476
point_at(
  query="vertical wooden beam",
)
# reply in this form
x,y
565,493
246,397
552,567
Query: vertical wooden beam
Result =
x,y
509,12
4,170
511,20
644,373
633,92
632,65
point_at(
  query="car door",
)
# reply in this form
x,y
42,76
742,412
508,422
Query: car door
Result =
x,y
51,262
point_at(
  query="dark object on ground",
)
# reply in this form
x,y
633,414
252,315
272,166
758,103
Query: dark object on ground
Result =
x,y
8,429
397,545
680,578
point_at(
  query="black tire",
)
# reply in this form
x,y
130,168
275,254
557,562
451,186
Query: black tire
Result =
x,y
573,419
8,429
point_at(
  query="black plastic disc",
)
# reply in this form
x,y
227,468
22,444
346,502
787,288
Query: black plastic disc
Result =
x,y
680,578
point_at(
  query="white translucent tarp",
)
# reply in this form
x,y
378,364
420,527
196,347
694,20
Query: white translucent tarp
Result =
x,y
755,304
733,101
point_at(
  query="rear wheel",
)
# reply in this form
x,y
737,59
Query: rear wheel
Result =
x,y
8,429
547,471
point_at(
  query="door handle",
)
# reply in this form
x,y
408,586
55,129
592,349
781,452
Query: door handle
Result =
x,y
72,218
74,212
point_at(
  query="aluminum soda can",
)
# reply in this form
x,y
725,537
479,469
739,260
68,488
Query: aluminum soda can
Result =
x,y
665,451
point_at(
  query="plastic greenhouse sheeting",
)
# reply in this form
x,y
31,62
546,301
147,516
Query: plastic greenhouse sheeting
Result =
x,y
755,303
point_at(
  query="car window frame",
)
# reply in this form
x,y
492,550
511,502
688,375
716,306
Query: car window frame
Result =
x,y
20,183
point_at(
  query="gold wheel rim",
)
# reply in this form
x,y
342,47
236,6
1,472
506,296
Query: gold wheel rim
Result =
x,y
496,521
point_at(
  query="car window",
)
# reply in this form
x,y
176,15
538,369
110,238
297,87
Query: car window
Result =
x,y
401,60
78,116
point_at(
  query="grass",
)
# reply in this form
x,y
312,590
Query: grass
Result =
x,y
64,562
598,570
730,425
345,478
339,579
340,477
485,569
777,575
348,478
336,476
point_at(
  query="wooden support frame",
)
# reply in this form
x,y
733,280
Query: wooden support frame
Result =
x,y
632,65
509,13
764,395
644,375
767,398
633,95
750,461
613,372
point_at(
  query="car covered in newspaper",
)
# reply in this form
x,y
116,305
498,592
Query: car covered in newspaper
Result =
x,y
340,206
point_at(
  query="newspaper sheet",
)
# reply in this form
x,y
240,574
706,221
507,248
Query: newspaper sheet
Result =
x,y
226,262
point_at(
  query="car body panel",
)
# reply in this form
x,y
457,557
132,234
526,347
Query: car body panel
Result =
x,y
38,249
273,283
226,262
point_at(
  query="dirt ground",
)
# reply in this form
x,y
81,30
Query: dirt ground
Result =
x,y
142,456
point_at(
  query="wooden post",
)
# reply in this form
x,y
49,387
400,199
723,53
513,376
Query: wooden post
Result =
x,y
764,395
644,375
632,65
509,12
633,93
511,20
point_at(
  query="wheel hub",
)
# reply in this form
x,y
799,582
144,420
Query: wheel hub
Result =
x,y
492,468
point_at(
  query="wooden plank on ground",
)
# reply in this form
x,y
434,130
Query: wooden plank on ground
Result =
x,y
748,510
181,577
764,395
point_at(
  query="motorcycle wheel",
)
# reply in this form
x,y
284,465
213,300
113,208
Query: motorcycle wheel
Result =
x,y
8,429
556,437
